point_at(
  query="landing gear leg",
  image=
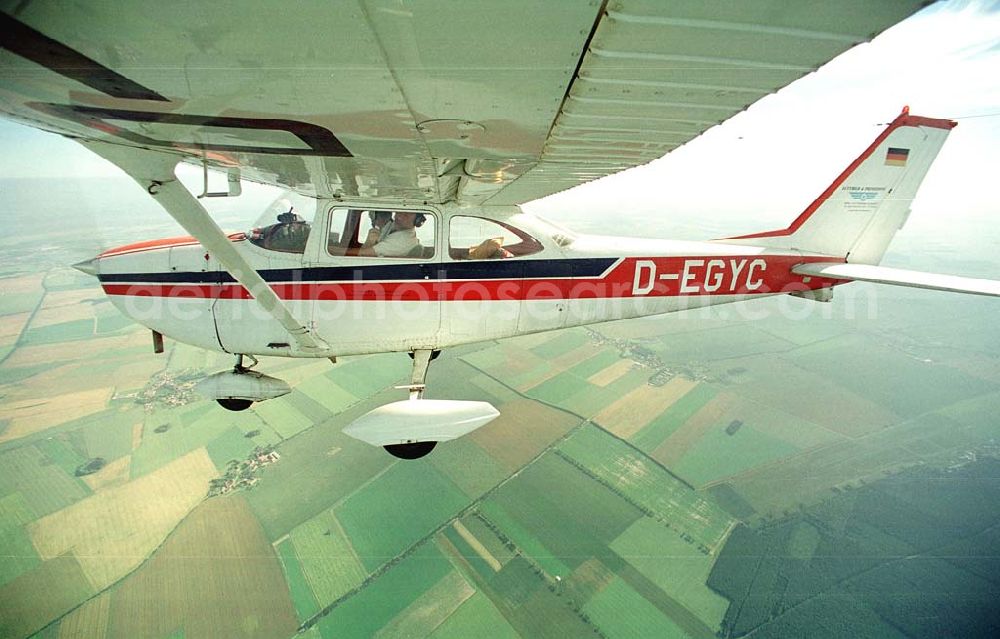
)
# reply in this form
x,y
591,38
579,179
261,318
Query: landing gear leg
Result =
x,y
418,382
234,403
418,378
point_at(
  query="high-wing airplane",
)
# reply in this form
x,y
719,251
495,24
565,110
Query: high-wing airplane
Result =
x,y
418,128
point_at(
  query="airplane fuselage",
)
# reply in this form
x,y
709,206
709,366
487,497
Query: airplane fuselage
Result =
x,y
440,298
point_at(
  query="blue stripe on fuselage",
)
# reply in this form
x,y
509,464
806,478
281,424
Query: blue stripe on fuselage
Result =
x,y
485,270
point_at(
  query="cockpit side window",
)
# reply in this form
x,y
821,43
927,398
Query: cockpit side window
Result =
x,y
356,232
478,238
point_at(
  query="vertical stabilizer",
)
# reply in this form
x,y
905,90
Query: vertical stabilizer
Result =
x,y
857,216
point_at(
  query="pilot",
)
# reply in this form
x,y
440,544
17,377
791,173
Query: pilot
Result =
x,y
290,234
381,226
399,241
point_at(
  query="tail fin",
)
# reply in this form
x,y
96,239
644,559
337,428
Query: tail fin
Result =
x,y
857,216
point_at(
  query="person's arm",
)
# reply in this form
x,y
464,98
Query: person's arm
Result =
x,y
395,245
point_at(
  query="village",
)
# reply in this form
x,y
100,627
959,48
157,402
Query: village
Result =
x,y
243,474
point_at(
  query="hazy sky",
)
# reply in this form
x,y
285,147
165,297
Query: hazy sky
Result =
x,y
763,166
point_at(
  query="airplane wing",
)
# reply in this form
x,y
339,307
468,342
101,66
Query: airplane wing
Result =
x,y
429,100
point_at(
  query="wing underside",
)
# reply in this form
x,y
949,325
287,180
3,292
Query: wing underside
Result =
x,y
436,100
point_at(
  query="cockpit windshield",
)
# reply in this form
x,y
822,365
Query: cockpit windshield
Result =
x,y
281,228
559,234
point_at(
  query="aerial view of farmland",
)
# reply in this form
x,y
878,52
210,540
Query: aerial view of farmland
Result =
x,y
702,475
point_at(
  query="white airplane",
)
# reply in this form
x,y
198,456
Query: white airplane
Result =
x,y
417,130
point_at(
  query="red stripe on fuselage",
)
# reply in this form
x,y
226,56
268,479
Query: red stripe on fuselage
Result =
x,y
632,277
167,242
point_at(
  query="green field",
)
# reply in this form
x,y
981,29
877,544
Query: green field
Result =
x,y
903,384
327,558
159,449
109,435
523,539
57,450
44,486
41,594
950,431
647,484
317,468
653,434
717,455
13,303
676,566
64,332
363,614
476,617
321,389
365,376
19,554
595,364
397,509
468,466
551,496
725,342
231,445
302,596
281,415
619,611
561,343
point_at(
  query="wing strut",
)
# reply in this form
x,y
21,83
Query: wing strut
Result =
x,y
155,172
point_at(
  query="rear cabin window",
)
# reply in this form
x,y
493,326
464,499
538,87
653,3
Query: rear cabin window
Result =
x,y
477,238
380,233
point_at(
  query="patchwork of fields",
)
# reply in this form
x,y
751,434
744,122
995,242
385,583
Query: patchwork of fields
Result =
x,y
600,502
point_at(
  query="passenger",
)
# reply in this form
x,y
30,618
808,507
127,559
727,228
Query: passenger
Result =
x,y
490,249
400,241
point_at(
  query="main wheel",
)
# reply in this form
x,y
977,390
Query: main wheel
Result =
x,y
415,450
230,403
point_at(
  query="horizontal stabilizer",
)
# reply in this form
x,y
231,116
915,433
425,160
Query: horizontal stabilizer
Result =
x,y
899,277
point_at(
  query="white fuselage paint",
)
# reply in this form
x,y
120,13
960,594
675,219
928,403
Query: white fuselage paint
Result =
x,y
593,279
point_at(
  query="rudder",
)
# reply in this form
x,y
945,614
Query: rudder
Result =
x,y
859,213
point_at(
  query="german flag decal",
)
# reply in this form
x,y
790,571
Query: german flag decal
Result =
x,y
896,157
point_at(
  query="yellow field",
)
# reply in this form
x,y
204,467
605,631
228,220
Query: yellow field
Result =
x,y
10,327
89,620
48,315
477,545
431,609
302,370
113,474
215,577
29,416
22,283
136,435
136,374
611,373
113,531
677,444
575,356
629,414
86,349
74,298
523,430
